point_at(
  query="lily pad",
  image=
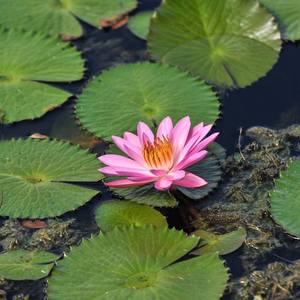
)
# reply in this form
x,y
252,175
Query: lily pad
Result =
x,y
119,98
147,194
26,61
59,17
137,263
221,243
124,213
230,43
140,23
209,169
26,265
285,199
37,178
288,14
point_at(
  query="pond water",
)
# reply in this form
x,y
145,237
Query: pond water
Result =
x,y
273,101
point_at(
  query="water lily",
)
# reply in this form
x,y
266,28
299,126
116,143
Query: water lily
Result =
x,y
160,159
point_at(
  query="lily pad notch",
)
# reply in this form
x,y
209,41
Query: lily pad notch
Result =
x,y
37,178
119,98
59,17
26,265
28,61
228,43
138,263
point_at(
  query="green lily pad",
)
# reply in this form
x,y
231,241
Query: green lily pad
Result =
x,y
58,17
26,61
140,23
209,169
119,98
121,213
285,199
288,14
230,43
148,195
221,243
36,178
26,265
137,263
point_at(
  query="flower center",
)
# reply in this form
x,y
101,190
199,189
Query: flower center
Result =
x,y
159,154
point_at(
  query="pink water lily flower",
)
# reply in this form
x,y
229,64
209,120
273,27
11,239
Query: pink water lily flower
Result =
x,y
160,159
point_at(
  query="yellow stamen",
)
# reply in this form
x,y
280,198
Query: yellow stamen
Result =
x,y
158,154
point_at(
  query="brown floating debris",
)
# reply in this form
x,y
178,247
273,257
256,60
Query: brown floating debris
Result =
x,y
38,136
114,23
34,224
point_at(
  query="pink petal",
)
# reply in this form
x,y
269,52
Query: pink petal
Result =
x,y
136,155
190,160
144,133
177,175
193,142
191,181
159,173
202,145
163,184
179,135
114,160
132,138
129,149
125,183
119,171
143,178
195,130
165,128
108,171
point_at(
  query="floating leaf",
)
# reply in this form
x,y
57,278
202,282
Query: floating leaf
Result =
x,y
36,178
285,199
26,59
120,213
26,265
137,263
288,14
209,169
119,98
229,43
147,194
139,24
58,17
223,244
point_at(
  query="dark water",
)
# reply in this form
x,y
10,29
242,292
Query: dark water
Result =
x,y
273,101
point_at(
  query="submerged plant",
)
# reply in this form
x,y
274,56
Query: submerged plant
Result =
x,y
160,159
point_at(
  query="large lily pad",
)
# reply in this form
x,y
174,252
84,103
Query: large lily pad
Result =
x,y
209,169
59,16
137,263
119,98
140,23
288,14
285,199
36,178
124,213
221,243
229,43
26,265
26,60
147,194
